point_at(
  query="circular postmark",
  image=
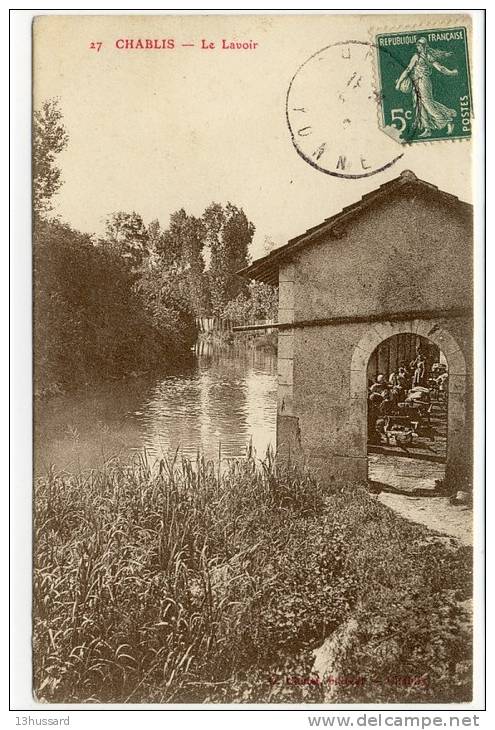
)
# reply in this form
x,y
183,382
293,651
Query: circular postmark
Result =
x,y
332,113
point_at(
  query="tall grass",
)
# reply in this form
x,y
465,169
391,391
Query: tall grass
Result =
x,y
151,582
180,583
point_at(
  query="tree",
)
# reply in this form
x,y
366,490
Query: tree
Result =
x,y
181,249
49,139
229,234
95,317
165,298
155,235
260,302
127,234
99,312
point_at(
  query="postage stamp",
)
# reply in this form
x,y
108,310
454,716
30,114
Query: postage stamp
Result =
x,y
424,82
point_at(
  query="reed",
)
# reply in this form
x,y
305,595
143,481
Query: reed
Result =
x,y
182,582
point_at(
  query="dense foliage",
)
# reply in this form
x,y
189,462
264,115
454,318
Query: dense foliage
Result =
x,y
91,321
180,584
259,302
127,301
49,139
228,233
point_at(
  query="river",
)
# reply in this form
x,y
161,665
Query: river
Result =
x,y
224,398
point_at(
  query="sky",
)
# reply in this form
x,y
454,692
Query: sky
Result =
x,y
156,130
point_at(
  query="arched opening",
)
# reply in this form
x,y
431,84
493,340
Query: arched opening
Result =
x,y
458,467
407,413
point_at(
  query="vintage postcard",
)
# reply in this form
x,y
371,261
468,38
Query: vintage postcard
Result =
x,y
253,258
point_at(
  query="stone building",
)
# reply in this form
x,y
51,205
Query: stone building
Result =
x,y
396,262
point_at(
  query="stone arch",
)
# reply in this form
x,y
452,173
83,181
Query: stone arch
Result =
x,y
456,418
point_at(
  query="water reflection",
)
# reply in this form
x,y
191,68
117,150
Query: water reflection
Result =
x,y
225,398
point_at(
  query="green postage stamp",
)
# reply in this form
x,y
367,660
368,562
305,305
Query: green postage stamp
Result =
x,y
424,90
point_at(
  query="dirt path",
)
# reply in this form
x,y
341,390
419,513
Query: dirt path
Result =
x,y
434,512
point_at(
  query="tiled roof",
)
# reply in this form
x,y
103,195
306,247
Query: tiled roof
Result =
x,y
266,268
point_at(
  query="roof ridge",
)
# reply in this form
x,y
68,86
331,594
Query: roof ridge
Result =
x,y
405,178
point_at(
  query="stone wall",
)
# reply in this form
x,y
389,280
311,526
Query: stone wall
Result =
x,y
322,416
406,254
322,391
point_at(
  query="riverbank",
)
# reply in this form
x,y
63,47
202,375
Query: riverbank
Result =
x,y
266,341
165,368
224,399
180,584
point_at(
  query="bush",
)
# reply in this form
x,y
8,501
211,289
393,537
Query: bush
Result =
x,y
259,302
90,322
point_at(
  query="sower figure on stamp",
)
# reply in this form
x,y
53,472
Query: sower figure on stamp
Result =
x,y
429,115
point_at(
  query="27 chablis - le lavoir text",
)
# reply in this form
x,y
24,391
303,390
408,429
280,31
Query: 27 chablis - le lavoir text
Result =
x,y
162,44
